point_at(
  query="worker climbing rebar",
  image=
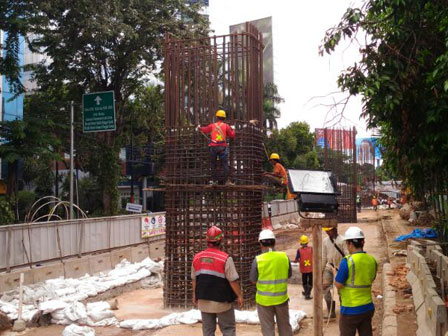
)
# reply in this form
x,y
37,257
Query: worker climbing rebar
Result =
x,y
218,147
279,175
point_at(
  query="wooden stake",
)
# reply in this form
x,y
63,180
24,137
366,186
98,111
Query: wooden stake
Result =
x,y
19,312
317,279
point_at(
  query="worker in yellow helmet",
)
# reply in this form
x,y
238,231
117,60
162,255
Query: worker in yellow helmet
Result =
x,y
304,256
279,175
218,147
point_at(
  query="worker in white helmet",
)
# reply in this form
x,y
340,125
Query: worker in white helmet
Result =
x,y
270,272
355,287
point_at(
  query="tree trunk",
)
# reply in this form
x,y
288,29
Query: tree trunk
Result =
x,y
12,172
108,179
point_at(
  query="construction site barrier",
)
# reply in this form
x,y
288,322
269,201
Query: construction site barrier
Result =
x,y
35,243
429,307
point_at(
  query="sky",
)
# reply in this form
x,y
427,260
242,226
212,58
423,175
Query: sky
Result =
x,y
305,80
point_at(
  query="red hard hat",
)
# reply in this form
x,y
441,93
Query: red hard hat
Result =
x,y
214,234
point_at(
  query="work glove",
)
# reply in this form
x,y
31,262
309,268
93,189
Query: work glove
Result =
x,y
198,128
232,127
253,122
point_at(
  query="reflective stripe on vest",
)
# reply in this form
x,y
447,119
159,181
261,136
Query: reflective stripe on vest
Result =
x,y
272,280
217,135
210,261
361,274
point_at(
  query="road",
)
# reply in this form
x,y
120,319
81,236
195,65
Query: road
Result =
x,y
145,303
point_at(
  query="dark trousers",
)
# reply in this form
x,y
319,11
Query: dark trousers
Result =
x,y
226,322
221,152
348,324
307,283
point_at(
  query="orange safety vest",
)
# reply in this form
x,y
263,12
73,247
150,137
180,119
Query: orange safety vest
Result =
x,y
306,257
218,134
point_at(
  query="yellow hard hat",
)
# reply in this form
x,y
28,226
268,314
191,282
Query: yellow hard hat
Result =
x,y
221,113
274,156
303,240
327,228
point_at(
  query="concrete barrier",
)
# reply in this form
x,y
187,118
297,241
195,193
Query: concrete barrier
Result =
x,y
118,255
77,267
389,324
157,250
99,263
50,271
429,307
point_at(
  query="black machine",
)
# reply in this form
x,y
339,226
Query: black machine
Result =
x,y
316,190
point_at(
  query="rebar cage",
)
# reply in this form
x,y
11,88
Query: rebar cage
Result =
x,y
339,156
201,76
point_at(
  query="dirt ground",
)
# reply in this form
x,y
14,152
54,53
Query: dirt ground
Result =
x,y
145,303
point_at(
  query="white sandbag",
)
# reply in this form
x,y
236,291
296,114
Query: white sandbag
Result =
x,y
52,305
76,330
75,312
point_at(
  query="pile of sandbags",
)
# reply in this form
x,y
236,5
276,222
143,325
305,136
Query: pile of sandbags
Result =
x,y
194,316
61,297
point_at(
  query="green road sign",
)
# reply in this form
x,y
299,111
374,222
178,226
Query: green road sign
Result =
x,y
98,111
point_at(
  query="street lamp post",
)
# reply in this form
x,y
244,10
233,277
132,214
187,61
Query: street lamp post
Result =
x,y
72,139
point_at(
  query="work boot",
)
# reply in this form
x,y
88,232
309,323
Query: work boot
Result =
x,y
229,183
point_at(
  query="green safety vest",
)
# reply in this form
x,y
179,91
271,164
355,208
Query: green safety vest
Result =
x,y
361,274
272,283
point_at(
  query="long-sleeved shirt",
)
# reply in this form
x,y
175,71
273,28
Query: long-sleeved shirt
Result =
x,y
329,253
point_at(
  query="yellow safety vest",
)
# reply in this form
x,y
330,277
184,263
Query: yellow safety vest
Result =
x,y
361,274
272,283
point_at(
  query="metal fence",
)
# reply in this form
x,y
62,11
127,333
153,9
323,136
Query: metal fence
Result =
x,y
29,244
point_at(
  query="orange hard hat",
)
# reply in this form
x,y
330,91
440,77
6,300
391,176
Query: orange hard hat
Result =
x,y
214,234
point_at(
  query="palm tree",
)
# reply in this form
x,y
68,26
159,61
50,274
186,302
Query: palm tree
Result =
x,y
270,99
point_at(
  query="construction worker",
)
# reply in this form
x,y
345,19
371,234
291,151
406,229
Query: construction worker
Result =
x,y
304,255
358,202
279,175
334,250
374,202
218,147
215,286
270,272
355,288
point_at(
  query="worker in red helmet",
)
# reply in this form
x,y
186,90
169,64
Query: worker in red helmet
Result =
x,y
215,286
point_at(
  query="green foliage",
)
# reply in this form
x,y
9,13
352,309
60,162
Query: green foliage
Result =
x,y
402,77
294,144
100,46
25,200
6,213
271,99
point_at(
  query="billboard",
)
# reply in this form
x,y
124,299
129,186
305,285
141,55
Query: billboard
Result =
x,y
336,139
368,151
264,26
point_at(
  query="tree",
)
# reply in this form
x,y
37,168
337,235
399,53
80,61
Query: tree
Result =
x,y
108,46
295,145
271,98
402,77
17,19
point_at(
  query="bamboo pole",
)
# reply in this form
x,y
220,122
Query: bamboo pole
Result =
x,y
317,279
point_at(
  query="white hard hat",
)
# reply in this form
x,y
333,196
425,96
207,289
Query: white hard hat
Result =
x,y
353,232
266,234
